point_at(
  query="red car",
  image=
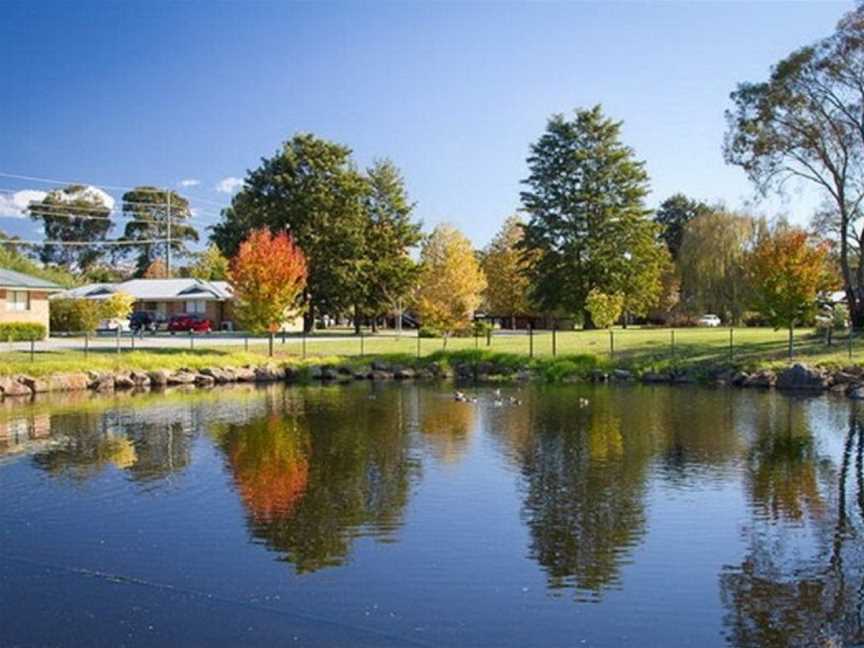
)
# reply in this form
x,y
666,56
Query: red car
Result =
x,y
185,323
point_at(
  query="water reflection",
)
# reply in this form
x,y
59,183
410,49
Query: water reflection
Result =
x,y
323,470
802,580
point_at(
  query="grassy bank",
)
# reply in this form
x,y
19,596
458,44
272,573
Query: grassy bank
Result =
x,y
577,352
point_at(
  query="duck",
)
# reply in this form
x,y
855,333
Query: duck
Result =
x,y
460,397
583,402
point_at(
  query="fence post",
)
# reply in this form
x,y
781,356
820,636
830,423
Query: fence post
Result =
x,y
283,336
476,339
132,341
444,341
32,349
418,343
246,341
555,339
489,337
672,342
611,344
850,341
118,338
731,344
86,344
362,345
304,342
191,339
270,344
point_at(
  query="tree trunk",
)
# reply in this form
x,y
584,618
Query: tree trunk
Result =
x,y
374,324
356,320
513,322
587,321
624,319
791,341
309,319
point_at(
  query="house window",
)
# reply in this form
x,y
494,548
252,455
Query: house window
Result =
x,y
18,300
197,307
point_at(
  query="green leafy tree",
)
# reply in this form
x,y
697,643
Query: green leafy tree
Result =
x,y
804,124
388,272
157,216
12,257
588,226
506,269
712,263
605,309
72,214
311,188
210,265
673,215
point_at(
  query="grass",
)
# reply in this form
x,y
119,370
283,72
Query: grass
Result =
x,y
577,351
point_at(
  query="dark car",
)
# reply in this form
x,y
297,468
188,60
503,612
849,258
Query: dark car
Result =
x,y
141,321
185,323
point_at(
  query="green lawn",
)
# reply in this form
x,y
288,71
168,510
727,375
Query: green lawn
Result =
x,y
633,347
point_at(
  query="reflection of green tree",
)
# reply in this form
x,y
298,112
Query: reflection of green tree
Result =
x,y
585,475
779,597
446,427
357,476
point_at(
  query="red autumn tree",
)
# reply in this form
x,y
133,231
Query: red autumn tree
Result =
x,y
787,272
267,275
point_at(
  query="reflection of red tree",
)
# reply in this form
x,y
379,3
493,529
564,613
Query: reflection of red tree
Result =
x,y
270,467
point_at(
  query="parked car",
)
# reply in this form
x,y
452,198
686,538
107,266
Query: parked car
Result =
x,y
185,323
112,325
145,321
708,320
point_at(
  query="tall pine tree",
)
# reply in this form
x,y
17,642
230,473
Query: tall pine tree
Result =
x,y
588,226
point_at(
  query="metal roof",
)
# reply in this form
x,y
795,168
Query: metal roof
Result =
x,y
12,279
156,290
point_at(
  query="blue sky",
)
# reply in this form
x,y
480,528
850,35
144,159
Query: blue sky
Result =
x,y
124,93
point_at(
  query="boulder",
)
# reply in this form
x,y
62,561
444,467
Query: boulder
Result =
x,y
405,373
75,381
269,373
203,380
159,377
654,377
380,365
763,379
218,375
123,381
844,377
181,377
245,374
315,372
35,385
361,373
598,375
801,377
739,378
104,383
723,377
622,375
329,373
10,387
140,378
377,374
683,378
857,392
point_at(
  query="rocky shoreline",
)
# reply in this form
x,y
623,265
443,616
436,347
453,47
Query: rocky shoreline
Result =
x,y
848,381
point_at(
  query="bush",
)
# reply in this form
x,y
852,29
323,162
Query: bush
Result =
x,y
22,331
428,332
77,315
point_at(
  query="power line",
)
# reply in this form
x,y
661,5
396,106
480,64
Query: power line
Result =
x,y
80,243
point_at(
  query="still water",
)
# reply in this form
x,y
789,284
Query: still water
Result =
x,y
391,515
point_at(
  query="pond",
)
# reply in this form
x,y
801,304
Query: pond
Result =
x,y
392,515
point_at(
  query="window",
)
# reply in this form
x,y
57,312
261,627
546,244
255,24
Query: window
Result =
x,y
18,300
196,307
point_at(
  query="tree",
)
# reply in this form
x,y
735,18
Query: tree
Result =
x,y
451,281
588,225
673,215
311,189
157,216
712,263
13,258
806,124
210,265
118,306
604,309
268,275
787,273
506,270
387,272
156,270
76,214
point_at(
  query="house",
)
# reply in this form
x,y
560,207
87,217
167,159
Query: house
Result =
x,y
168,297
25,298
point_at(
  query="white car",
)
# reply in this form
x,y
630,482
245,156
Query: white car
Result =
x,y
708,320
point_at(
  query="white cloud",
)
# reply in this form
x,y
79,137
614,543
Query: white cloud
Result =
x,y
189,182
91,193
229,185
14,205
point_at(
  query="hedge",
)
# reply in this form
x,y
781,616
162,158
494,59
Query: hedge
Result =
x,y
22,331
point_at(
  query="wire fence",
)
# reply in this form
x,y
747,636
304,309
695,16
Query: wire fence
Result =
x,y
674,345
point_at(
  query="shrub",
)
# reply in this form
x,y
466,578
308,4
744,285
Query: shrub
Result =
x,y
22,331
428,332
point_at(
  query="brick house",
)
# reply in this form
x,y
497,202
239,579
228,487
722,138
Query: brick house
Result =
x,y
24,298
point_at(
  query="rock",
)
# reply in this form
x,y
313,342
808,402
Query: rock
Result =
x,y
377,374
35,385
245,374
622,374
723,377
11,387
598,375
435,368
316,372
763,379
844,378
181,377
123,381
329,373
104,383
140,378
405,373
653,377
839,388
361,373
739,378
524,375
203,380
345,370
269,373
683,378
802,377
380,365
158,377
76,381
218,375
857,392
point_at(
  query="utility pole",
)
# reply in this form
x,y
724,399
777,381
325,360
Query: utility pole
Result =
x,y
168,238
